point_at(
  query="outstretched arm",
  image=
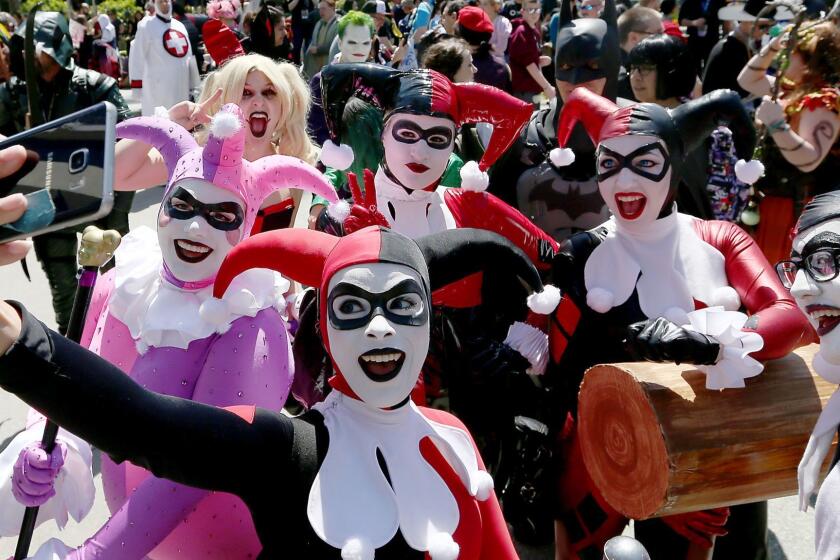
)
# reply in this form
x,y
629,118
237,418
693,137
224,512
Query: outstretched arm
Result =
x,y
184,441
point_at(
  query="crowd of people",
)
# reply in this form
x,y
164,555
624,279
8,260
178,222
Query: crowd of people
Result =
x,y
392,241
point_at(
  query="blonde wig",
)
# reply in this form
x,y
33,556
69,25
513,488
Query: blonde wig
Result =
x,y
289,137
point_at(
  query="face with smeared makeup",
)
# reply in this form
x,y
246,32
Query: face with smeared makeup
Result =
x,y
378,329
634,176
198,224
260,106
417,148
819,246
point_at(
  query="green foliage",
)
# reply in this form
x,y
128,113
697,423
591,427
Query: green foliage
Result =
x,y
48,6
124,8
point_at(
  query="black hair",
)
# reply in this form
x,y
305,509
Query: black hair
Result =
x,y
474,38
822,208
178,9
667,6
675,74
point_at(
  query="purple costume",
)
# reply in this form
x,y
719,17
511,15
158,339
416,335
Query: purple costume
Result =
x,y
174,338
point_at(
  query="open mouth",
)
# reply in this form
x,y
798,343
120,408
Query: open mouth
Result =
x,y
191,251
827,317
417,167
630,204
382,364
258,123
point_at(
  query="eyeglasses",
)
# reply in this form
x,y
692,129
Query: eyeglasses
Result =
x,y
642,69
820,265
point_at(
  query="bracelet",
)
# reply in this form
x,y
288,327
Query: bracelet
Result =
x,y
767,51
780,125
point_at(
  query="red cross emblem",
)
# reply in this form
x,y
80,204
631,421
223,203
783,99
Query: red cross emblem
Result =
x,y
175,43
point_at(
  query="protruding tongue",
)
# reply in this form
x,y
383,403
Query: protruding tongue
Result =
x,y
258,125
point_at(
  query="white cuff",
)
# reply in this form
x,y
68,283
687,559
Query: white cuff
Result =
x,y
734,363
532,343
74,490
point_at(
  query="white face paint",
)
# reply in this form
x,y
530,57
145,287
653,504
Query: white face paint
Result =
x,y
355,44
192,248
820,301
377,353
417,148
633,199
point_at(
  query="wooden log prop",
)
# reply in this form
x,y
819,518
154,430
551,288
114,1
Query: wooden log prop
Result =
x,y
656,442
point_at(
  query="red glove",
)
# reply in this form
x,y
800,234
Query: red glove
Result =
x,y
700,526
364,212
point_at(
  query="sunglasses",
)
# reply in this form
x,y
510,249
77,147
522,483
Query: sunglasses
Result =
x,y
819,265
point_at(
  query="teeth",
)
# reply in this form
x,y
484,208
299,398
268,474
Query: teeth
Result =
x,y
826,313
192,248
629,198
381,358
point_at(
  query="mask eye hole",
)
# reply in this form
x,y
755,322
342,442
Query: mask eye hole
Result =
x,y
180,205
223,217
406,304
350,307
564,67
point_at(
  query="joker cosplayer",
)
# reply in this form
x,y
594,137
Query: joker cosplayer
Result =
x,y
364,474
153,316
641,277
811,275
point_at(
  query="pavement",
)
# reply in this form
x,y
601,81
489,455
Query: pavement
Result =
x,y
791,533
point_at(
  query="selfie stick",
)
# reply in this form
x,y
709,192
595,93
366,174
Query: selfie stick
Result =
x,y
96,249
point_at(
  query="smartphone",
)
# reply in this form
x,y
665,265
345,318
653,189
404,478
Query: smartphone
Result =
x,y
68,175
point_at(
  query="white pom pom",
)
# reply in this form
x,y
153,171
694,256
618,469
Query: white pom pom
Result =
x,y
546,301
339,211
726,297
561,157
443,547
749,171
473,178
214,311
337,157
357,549
600,300
484,485
224,125
161,112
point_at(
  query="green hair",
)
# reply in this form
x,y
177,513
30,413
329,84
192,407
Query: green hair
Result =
x,y
355,18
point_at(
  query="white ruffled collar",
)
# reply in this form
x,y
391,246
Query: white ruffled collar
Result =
x,y
160,314
412,213
417,501
667,264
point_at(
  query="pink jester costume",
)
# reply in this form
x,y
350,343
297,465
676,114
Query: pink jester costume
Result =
x,y
155,318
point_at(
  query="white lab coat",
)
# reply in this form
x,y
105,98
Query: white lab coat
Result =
x,y
161,64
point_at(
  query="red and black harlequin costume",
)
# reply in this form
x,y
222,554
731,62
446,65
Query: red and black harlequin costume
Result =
x,y
615,276
366,471
465,326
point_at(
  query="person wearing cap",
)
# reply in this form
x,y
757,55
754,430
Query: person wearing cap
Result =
x,y
154,317
731,54
632,285
383,23
476,29
364,474
811,275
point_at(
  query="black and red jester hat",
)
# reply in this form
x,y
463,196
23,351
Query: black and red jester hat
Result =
x,y
312,258
682,129
422,92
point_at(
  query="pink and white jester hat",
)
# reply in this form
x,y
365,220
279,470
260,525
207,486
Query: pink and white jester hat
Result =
x,y
220,161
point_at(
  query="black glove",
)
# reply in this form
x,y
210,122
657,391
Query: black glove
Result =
x,y
660,340
489,357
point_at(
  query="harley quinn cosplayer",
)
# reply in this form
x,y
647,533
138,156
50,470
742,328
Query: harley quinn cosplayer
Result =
x,y
154,317
364,473
630,284
423,112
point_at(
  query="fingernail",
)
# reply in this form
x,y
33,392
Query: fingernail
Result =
x,y
19,248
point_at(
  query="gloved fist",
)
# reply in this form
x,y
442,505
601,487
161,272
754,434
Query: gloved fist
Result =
x,y
660,340
34,473
700,526
364,212
492,358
